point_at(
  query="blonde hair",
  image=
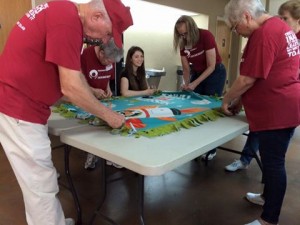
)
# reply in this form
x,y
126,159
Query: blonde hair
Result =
x,y
192,30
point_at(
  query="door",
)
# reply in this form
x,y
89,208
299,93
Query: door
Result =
x,y
223,37
10,12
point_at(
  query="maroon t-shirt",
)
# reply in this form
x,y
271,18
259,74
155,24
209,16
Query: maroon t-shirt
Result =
x,y
97,75
272,57
196,55
49,35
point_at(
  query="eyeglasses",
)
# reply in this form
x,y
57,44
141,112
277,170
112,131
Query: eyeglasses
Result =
x,y
233,28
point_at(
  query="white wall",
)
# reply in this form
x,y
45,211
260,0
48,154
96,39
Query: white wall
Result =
x,y
274,6
153,32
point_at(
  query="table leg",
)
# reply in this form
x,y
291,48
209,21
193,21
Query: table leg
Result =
x,y
253,155
240,153
141,188
102,162
67,149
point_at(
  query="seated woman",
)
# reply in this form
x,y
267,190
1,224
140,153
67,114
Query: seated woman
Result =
x,y
133,78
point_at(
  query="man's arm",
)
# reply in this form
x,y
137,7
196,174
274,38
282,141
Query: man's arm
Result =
x,y
77,90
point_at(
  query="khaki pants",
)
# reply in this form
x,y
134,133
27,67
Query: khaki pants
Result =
x,y
27,147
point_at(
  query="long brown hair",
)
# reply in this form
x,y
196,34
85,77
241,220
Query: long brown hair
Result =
x,y
192,30
140,82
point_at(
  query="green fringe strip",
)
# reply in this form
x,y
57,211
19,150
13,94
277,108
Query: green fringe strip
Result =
x,y
194,121
187,123
64,112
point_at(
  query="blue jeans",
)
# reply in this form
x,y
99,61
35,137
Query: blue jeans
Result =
x,y
212,85
250,148
273,145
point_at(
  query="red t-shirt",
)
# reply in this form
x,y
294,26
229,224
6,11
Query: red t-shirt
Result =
x,y
196,55
49,35
97,75
298,37
272,57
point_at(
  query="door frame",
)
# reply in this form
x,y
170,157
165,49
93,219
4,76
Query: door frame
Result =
x,y
220,22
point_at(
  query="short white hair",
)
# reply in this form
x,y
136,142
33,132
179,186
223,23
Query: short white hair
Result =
x,y
235,8
94,4
81,1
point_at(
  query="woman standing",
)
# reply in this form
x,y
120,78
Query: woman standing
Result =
x,y
133,78
290,13
269,88
198,47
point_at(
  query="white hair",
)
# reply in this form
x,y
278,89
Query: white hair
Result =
x,y
81,1
95,5
235,8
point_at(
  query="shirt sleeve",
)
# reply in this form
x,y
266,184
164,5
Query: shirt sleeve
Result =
x,y
258,57
63,47
209,41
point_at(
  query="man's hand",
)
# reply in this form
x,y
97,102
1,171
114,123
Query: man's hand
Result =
x,y
115,120
99,93
108,93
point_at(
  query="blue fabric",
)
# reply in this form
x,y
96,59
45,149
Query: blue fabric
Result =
x,y
273,145
147,112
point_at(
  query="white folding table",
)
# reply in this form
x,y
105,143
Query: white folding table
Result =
x,y
58,124
154,156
